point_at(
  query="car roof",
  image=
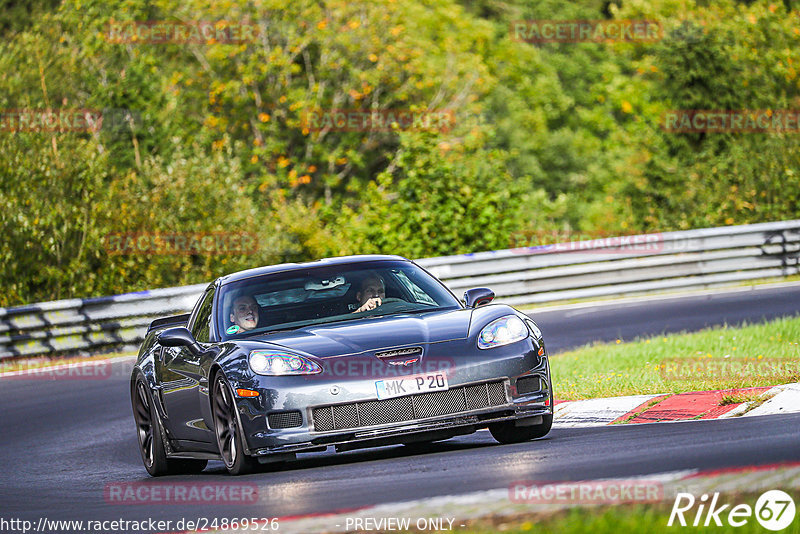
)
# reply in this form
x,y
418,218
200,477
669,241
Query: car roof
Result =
x,y
284,267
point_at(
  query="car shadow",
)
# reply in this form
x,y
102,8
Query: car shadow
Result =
x,y
387,452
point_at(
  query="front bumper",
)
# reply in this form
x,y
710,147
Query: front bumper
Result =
x,y
511,371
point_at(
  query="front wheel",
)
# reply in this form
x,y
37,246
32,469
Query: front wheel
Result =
x,y
226,428
151,437
508,432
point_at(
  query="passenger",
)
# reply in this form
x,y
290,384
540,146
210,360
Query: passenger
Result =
x,y
244,314
371,293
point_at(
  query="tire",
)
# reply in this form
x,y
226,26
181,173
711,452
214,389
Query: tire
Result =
x,y
507,431
150,436
230,440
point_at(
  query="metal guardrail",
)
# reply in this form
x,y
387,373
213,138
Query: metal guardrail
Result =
x,y
627,265
624,265
89,324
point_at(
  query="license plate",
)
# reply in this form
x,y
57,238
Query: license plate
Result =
x,y
408,385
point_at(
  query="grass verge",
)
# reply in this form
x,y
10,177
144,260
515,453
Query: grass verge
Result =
x,y
721,358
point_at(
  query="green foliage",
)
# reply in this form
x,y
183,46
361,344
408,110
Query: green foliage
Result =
x,y
546,138
16,15
50,202
436,201
724,57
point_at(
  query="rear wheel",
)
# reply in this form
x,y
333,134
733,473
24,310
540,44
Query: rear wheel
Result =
x,y
226,428
151,437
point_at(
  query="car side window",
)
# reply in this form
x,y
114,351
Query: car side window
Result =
x,y
201,327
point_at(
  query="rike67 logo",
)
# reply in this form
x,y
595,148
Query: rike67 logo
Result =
x,y
774,510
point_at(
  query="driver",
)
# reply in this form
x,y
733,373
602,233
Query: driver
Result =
x,y
244,313
371,293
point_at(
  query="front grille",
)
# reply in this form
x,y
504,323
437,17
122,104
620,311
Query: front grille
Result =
x,y
529,384
408,408
400,353
285,419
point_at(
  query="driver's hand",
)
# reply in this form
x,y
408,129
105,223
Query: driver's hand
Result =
x,y
371,304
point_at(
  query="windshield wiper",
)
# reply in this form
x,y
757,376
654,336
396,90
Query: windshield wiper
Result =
x,y
243,335
278,331
396,312
298,327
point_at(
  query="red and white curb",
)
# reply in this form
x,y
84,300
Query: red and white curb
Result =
x,y
594,412
675,407
786,399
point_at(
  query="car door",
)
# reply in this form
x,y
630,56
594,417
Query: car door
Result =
x,y
182,377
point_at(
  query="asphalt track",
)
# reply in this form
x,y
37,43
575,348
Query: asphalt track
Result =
x,y
64,441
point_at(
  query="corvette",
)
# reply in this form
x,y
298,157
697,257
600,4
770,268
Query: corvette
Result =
x,y
350,352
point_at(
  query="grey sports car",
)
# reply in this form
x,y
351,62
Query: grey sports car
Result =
x,y
353,352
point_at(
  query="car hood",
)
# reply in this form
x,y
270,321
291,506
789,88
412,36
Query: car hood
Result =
x,y
376,333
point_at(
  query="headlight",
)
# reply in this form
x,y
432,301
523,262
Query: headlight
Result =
x,y
279,363
502,331
537,333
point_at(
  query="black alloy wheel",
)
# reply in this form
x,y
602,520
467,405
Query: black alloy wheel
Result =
x,y
151,438
226,428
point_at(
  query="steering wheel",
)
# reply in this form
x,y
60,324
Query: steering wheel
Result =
x,y
384,301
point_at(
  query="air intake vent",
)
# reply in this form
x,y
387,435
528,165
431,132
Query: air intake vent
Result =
x,y
285,419
529,384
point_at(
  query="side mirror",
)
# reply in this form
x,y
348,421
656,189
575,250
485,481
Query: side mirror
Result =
x,y
478,296
179,336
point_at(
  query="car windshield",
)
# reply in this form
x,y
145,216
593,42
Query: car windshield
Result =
x,y
333,293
